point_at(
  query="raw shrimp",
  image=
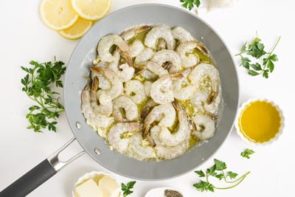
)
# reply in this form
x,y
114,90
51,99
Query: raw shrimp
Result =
x,y
135,90
131,33
181,34
147,108
161,90
208,90
147,74
145,55
116,88
164,152
168,56
205,76
100,103
116,136
182,132
105,45
205,126
161,44
156,69
160,32
124,71
124,106
93,118
139,148
185,50
213,101
103,83
163,115
147,88
182,88
136,48
170,152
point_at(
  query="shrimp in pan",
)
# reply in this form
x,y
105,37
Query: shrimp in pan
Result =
x,y
153,92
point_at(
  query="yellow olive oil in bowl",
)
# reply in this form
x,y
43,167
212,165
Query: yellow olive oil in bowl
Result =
x,y
260,121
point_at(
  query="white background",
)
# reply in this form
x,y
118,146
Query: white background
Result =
x,y
23,37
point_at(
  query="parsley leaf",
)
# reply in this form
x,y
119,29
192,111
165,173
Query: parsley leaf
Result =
x,y
219,165
256,60
217,171
247,153
200,173
127,188
189,4
231,174
204,186
38,84
256,48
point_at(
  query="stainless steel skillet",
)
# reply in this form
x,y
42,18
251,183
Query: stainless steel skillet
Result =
x,y
95,146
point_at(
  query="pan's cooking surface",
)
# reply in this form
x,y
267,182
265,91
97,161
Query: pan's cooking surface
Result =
x,y
78,69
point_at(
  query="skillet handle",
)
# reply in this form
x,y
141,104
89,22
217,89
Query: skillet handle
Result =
x,y
29,181
39,174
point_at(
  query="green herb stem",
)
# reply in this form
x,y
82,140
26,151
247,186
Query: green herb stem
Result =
x,y
237,182
275,46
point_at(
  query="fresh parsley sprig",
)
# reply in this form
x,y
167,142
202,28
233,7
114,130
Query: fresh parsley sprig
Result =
x,y
38,84
127,188
189,4
218,171
256,60
247,153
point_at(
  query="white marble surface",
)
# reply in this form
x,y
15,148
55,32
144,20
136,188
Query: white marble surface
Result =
x,y
23,37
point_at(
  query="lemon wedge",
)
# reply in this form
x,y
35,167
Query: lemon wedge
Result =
x,y
91,9
77,30
58,14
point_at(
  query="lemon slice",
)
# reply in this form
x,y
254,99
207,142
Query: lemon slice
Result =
x,y
91,9
58,14
77,30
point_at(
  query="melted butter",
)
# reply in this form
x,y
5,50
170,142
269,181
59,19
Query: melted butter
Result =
x,y
204,58
193,141
260,121
188,107
126,135
140,36
174,127
141,105
139,78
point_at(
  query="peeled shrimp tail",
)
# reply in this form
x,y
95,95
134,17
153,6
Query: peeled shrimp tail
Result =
x,y
116,88
93,118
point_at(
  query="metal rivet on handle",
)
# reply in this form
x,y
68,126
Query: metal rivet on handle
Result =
x,y
78,125
97,151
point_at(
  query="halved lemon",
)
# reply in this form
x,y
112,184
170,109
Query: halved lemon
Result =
x,y
91,9
58,14
77,30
